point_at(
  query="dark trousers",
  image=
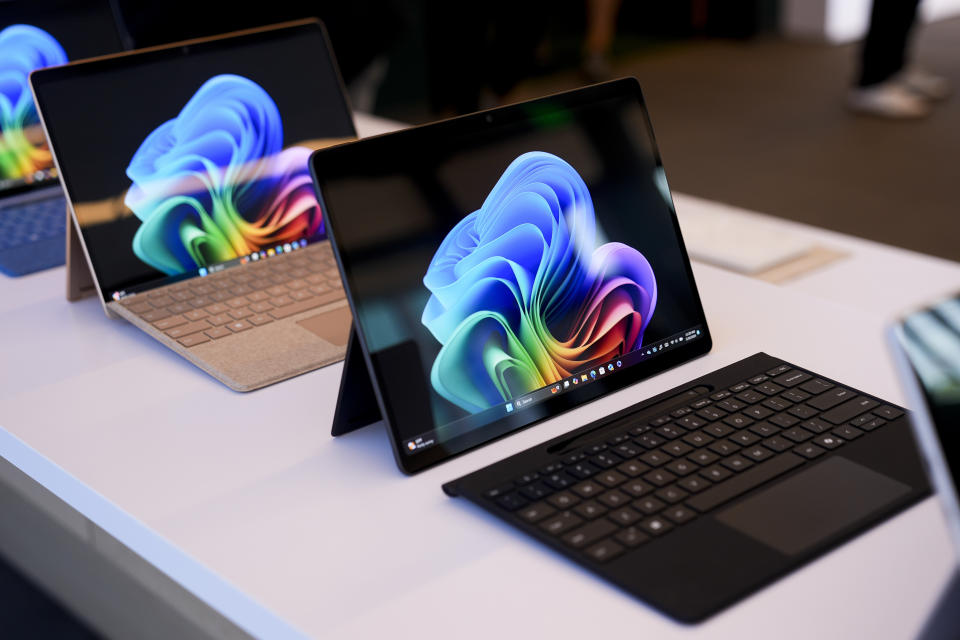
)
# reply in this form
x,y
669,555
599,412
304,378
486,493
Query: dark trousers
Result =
x,y
884,49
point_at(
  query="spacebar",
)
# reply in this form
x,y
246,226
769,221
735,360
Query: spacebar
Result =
x,y
305,305
744,482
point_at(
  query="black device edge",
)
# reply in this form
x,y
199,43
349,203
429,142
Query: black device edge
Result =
x,y
413,464
356,401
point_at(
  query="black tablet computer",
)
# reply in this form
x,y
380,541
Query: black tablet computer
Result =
x,y
505,266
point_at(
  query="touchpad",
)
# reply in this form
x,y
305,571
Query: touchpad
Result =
x,y
812,505
332,326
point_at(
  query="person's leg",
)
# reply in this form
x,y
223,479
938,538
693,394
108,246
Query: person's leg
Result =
x,y
884,49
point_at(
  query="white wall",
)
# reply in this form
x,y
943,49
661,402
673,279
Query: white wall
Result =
x,y
846,20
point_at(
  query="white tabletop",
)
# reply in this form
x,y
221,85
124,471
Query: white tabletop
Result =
x,y
248,502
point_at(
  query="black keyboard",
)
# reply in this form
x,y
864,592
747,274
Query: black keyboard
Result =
x,y
650,471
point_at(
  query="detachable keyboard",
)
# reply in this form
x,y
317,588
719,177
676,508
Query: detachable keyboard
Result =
x,y
608,491
231,301
32,236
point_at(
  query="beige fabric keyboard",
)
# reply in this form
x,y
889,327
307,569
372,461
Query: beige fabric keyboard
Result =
x,y
209,308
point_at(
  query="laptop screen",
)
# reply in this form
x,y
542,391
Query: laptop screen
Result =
x,y
36,34
193,158
507,265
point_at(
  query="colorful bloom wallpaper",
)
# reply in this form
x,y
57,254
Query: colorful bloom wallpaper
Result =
x,y
215,183
523,293
23,48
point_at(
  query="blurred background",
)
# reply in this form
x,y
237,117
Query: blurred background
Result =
x,y
748,97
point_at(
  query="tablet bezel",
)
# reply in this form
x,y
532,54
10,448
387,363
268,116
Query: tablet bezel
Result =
x,y
353,154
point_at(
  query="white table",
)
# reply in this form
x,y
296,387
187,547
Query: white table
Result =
x,y
248,503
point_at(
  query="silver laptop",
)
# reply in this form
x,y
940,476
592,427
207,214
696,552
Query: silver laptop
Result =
x,y
926,347
185,169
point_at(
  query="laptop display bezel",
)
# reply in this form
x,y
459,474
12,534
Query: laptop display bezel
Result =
x,y
42,78
394,145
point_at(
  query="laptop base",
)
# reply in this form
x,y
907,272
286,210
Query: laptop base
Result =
x,y
356,403
944,620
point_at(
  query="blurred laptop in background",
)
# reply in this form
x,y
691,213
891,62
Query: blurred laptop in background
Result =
x,y
36,34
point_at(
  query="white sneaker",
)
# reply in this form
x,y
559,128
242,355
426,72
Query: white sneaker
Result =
x,y
926,84
889,99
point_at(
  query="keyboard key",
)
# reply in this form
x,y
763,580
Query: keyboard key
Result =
x,y
628,450
764,429
536,491
655,458
512,501
305,305
816,387
614,499
582,470
783,368
672,494
718,430
769,388
655,525
536,512
219,320
744,438
169,322
738,421
783,420
873,424
700,404
731,405
677,448
809,450
848,432
218,332
698,439
758,412
670,431
694,484
636,488
659,422
195,314
625,516
590,509
794,395
154,315
527,478
711,414
888,412
194,339
679,514
260,319
682,411
816,425
649,441
633,468
186,329
239,325
861,420
750,397
758,379
736,463
792,378
849,410
681,467
589,533
831,398
703,457
743,482
563,500
742,386
716,473
595,448
802,411
724,447
610,479
587,489
720,395
561,523
605,460
690,422
240,314
558,480
649,505
604,551
757,453
496,492
659,477
776,443
828,441
797,434
631,537
777,404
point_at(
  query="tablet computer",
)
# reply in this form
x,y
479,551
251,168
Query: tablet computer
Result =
x,y
505,266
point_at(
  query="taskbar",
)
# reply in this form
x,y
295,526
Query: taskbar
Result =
x,y
565,385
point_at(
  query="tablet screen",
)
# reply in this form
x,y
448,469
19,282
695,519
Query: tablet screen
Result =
x,y
506,266
931,341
